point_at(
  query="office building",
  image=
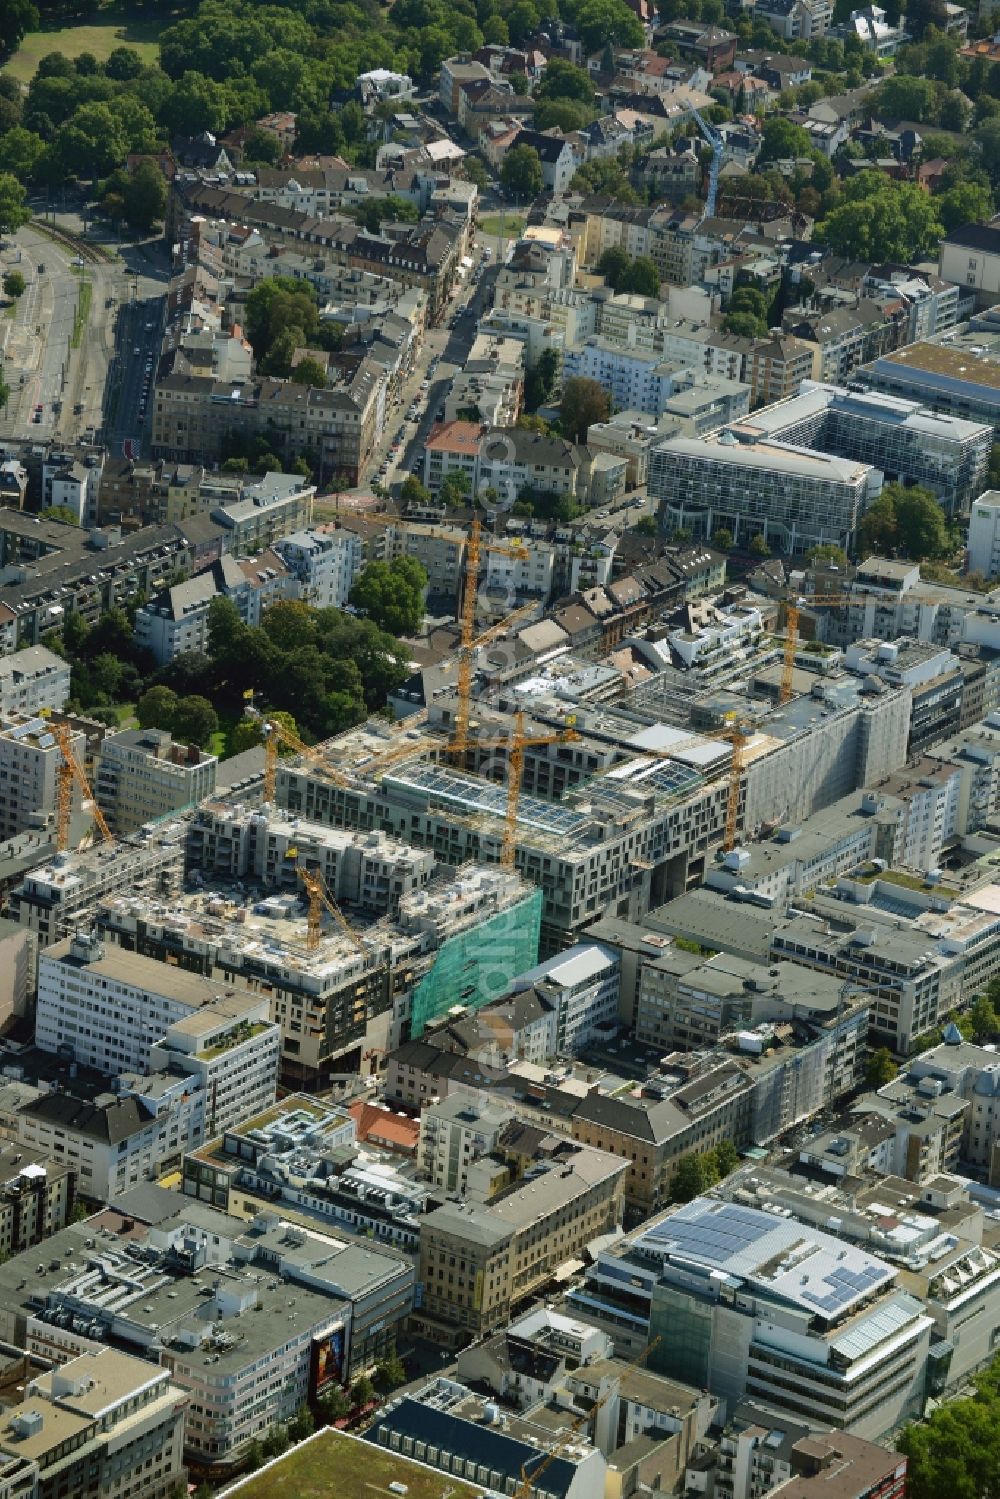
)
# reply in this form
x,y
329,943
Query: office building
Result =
x,y
984,535
478,1263
759,1455
907,442
747,1304
101,1426
954,373
110,1008
143,775
251,1320
37,1194
581,986
758,488
454,1134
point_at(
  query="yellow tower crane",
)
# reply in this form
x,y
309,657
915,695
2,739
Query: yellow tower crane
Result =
x,y
473,552
320,899
516,744
69,771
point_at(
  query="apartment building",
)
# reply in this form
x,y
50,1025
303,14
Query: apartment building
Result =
x,y
322,565
37,1194
30,759
757,1456
456,1133
760,488
175,620
103,1425
32,679
969,256
142,775
509,460
478,1263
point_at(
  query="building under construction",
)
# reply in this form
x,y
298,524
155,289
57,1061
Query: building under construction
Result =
x,y
360,989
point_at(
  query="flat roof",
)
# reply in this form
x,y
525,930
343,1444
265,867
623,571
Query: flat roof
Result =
x,y
140,972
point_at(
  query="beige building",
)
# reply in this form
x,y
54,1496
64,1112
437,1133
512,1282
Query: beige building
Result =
x,y
102,1426
478,1263
36,1195
142,775
29,760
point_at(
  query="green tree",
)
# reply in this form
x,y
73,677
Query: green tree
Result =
x,y
646,525
290,624
540,381
302,1424
13,284
455,489
309,372
157,708
277,307
826,553
583,403
965,203
895,221
782,140
905,518
254,1457
564,80
744,325
985,1022
690,1178
275,1442
195,720
362,1391
727,1157
723,539
413,492
476,173
21,152
880,1068
334,1404
613,265
391,594
521,173
13,209
758,546
390,1373
145,196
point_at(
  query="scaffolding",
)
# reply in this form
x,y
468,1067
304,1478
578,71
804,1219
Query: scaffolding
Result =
x,y
477,965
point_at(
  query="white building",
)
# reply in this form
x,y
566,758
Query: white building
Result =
x,y
582,985
74,485
33,679
637,378
454,1135
322,565
176,620
984,534
108,1007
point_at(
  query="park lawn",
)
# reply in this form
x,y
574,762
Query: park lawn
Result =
x,y
333,1465
100,37
513,224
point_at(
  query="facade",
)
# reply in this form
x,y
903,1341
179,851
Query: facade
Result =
x,y
984,535
456,1133
581,986
750,1305
37,1194
176,620
759,488
143,775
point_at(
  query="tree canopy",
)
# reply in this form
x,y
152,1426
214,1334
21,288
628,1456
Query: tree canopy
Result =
x,y
583,402
880,220
392,594
907,520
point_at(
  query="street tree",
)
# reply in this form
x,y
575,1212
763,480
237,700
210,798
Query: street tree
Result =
x,y
13,209
521,173
583,403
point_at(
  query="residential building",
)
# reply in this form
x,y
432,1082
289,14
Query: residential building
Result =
x,y
969,256
32,679
454,1135
37,1195
30,759
556,155
101,1426
143,775
175,620
757,1456
796,20
872,29
478,1263
322,565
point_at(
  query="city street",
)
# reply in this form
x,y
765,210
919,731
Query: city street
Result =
x,y
68,389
